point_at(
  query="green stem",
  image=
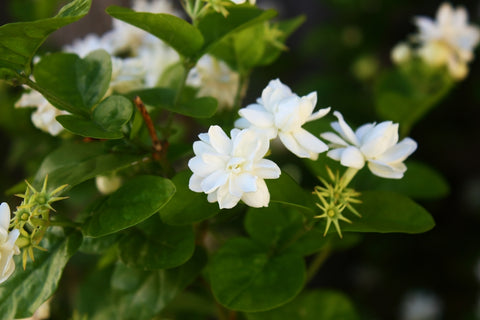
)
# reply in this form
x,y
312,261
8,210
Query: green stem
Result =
x,y
317,262
347,177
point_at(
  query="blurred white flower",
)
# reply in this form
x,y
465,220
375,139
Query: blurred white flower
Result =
x,y
243,1
91,42
283,113
214,78
372,143
401,53
448,40
7,243
44,117
127,74
230,170
420,305
157,57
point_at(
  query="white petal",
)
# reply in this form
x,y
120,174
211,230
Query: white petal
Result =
x,y
399,152
291,144
245,143
334,139
204,137
387,171
363,130
200,167
262,119
200,147
219,140
352,157
445,14
306,106
4,216
319,114
379,139
266,169
242,123
213,181
309,142
242,183
288,116
344,129
259,198
225,199
194,183
335,154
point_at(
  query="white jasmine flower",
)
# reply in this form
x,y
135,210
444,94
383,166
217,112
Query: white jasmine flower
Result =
x,y
7,243
230,170
214,78
449,40
44,117
283,113
372,143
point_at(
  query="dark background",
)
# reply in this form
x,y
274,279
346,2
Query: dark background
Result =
x,y
327,54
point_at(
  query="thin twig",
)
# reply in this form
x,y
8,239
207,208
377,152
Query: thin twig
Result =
x,y
158,147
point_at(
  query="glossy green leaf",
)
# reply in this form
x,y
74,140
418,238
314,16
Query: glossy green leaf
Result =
x,y
113,112
155,245
214,26
419,182
275,226
385,212
19,41
202,107
177,33
26,290
287,191
134,202
78,83
186,206
314,241
312,305
74,163
246,277
86,128
144,294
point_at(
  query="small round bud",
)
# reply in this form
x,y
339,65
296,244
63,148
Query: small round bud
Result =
x,y
401,53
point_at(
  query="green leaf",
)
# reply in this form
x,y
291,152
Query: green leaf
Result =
x,y
419,182
112,113
186,206
19,41
386,212
274,226
287,191
246,277
314,241
78,83
74,163
154,245
202,107
144,294
214,26
26,290
86,128
312,305
177,33
134,202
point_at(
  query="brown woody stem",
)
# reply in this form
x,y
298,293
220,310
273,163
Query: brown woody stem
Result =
x,y
158,148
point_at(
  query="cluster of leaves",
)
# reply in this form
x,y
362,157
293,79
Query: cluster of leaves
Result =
x,y
153,236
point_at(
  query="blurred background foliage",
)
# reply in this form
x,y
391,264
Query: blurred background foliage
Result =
x,y
341,49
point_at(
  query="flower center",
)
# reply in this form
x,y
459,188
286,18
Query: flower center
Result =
x,y
235,165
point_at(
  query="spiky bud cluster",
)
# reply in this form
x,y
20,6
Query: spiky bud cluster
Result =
x,y
335,197
32,217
